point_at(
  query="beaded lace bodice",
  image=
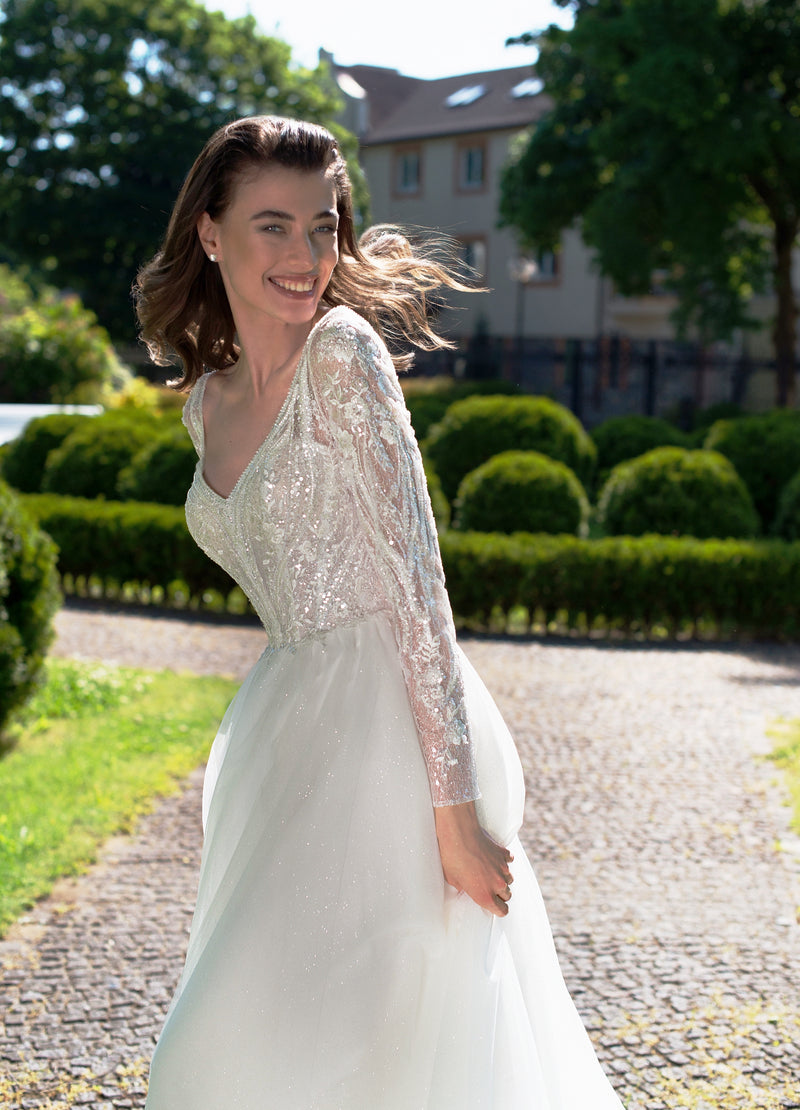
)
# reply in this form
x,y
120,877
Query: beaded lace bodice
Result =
x,y
331,522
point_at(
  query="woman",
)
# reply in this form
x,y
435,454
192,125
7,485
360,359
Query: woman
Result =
x,y
352,946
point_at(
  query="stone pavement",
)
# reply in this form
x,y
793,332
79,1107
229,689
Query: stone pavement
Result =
x,y
656,829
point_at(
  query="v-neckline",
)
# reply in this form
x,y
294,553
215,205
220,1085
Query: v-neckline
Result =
x,y
265,441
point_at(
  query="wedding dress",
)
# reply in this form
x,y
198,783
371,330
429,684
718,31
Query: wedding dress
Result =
x,y
330,967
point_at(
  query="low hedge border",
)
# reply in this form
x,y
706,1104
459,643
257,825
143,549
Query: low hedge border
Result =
x,y
130,550
647,586
650,586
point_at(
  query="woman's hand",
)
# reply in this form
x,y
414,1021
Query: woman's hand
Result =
x,y
471,861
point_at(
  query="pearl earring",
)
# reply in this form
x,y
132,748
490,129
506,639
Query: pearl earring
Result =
x,y
213,257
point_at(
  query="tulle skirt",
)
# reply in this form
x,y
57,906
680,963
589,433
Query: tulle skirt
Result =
x,y
330,967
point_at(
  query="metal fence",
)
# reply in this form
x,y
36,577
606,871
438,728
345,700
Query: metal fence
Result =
x,y
600,378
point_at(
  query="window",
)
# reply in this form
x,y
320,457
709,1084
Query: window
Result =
x,y
472,250
531,86
546,266
408,172
471,167
467,95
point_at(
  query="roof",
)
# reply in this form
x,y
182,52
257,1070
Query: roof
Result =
x,y
386,88
408,108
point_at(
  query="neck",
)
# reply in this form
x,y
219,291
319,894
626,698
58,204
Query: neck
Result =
x,y
267,352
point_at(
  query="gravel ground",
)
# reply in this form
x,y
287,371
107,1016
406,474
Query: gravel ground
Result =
x,y
657,831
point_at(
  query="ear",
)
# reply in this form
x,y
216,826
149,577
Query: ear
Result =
x,y
207,232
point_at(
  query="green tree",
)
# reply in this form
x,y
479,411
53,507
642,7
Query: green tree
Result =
x,y
675,140
103,107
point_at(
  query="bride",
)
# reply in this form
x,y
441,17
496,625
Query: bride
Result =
x,y
355,944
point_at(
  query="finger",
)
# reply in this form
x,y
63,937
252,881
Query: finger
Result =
x,y
500,908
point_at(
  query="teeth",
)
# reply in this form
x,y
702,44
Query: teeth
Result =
x,y
303,286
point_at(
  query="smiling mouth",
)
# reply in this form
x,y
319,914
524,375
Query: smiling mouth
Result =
x,y
295,285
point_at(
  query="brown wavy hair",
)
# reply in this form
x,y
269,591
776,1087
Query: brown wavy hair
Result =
x,y
181,302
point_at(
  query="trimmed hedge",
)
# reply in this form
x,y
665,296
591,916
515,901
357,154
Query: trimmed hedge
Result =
x,y
475,429
119,542
765,450
674,491
732,588
29,597
521,491
645,585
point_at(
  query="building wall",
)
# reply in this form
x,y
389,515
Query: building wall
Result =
x,y
567,303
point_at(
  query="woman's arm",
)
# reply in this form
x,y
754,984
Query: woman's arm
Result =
x,y
371,426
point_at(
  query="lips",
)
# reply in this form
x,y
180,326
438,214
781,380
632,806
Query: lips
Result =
x,y
295,285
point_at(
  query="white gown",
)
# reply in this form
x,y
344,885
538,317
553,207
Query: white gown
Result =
x,y
330,967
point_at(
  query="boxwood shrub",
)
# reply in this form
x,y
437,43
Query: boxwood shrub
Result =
x,y
674,491
521,491
476,428
26,456
627,437
765,450
29,597
161,471
787,521
427,406
89,461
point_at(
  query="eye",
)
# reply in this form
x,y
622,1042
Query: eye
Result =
x,y
271,227
329,229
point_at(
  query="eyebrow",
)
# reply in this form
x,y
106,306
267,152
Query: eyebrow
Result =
x,y
276,214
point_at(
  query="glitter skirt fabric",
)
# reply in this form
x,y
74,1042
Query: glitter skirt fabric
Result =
x,y
329,965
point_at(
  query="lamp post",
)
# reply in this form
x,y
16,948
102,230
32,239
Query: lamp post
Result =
x,y
522,270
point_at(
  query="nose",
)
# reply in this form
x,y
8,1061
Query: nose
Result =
x,y
302,252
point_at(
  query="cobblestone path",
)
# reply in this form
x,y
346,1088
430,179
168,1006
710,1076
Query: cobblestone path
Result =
x,y
657,831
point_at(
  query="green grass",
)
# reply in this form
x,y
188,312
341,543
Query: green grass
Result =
x,y
96,746
787,756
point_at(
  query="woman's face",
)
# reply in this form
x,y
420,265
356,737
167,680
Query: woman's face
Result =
x,y
276,244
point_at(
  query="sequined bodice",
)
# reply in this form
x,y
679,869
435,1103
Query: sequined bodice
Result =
x,y
331,522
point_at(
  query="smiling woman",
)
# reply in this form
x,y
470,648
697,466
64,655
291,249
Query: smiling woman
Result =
x,y
352,945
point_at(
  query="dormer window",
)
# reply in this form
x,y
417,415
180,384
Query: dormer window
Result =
x,y
531,86
468,95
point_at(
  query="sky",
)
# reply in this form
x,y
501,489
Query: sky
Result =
x,y
422,38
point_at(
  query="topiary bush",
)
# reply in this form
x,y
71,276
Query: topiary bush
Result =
x,y
521,491
428,405
161,471
439,503
673,491
26,456
765,450
476,428
29,597
787,520
627,437
89,461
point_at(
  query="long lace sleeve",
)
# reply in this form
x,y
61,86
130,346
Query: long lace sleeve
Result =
x,y
192,418
376,444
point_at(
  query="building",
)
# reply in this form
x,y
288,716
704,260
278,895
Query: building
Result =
x,y
432,152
